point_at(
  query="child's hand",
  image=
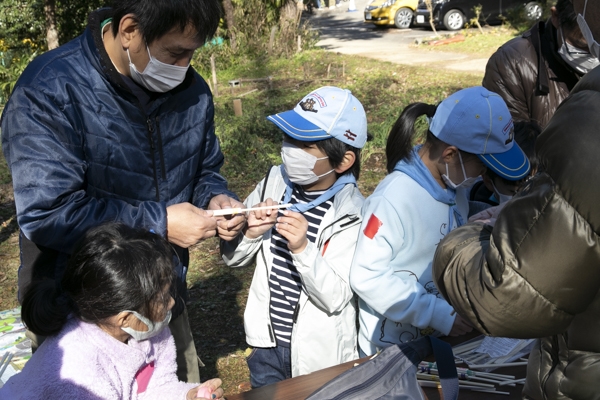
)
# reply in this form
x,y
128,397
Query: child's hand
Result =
x,y
460,327
293,226
228,227
260,221
209,390
488,216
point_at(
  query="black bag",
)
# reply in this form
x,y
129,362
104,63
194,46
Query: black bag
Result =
x,y
392,374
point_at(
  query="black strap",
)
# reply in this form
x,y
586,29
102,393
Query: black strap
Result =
x,y
264,188
543,82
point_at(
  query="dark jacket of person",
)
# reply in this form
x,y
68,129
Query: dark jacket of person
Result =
x,y
82,149
538,274
532,86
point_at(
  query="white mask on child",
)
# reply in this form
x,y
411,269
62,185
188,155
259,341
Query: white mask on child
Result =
x,y
157,76
154,328
299,164
502,198
467,182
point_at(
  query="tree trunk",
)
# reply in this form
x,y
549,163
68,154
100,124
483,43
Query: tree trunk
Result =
x,y
288,15
51,31
230,18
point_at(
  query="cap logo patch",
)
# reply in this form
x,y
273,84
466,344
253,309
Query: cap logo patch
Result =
x,y
509,130
349,135
308,105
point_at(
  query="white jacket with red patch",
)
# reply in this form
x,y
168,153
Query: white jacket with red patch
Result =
x,y
324,331
391,272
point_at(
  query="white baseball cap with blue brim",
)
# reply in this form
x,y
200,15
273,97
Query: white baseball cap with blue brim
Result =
x,y
477,121
328,112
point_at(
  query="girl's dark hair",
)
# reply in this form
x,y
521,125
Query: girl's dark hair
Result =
x,y
400,141
157,17
113,268
336,149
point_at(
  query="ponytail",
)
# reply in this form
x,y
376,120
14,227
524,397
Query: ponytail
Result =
x,y
45,308
400,141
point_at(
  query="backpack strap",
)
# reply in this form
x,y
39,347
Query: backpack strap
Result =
x,y
543,82
417,350
264,188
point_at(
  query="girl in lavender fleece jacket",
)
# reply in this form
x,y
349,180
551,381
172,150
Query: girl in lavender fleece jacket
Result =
x,y
105,324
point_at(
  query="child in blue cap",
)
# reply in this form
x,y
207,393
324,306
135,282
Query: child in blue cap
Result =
x,y
300,315
421,200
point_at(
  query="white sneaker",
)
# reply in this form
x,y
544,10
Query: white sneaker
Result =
x,y
331,7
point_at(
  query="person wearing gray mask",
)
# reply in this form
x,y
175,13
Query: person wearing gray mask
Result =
x,y
531,269
535,72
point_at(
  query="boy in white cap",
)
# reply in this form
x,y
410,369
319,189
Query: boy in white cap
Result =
x,y
416,205
300,315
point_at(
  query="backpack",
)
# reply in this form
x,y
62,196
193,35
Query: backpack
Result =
x,y
391,375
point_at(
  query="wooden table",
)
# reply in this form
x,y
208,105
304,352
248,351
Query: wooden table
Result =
x,y
300,387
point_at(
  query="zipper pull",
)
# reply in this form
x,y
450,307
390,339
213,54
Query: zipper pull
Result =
x,y
150,132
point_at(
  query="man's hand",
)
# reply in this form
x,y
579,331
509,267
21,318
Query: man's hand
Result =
x,y
188,224
461,326
212,386
228,226
293,226
260,221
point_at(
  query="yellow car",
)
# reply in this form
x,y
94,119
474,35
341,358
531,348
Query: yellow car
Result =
x,y
391,12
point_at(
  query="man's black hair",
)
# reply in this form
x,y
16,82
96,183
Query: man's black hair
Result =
x,y
566,15
158,17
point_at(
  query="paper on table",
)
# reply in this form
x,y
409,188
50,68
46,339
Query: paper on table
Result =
x,y
497,346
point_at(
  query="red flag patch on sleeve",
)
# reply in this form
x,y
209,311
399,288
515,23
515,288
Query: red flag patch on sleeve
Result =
x,y
372,226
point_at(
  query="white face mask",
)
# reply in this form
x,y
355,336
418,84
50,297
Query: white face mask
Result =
x,y
154,328
157,76
581,61
587,34
502,198
299,164
467,182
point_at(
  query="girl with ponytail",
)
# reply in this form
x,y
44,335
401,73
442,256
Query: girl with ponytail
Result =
x,y
423,197
106,322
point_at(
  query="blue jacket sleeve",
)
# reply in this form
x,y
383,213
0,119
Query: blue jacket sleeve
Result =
x,y
45,156
209,182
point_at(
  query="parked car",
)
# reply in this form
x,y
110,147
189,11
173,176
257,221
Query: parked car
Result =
x,y
391,12
454,14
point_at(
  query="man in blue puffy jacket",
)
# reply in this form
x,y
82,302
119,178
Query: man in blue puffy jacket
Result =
x,y
116,126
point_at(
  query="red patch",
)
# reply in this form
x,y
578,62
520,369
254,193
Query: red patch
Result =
x,y
325,248
372,227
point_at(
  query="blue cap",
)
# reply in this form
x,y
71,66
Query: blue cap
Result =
x,y
477,121
325,113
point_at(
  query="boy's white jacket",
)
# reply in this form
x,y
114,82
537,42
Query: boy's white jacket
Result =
x,y
324,332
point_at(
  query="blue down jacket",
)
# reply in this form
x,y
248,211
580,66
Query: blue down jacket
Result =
x,y
82,150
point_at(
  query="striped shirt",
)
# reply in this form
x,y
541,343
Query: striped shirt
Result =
x,y
284,282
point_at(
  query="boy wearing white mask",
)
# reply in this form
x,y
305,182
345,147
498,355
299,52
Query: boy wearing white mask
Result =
x,y
422,199
300,315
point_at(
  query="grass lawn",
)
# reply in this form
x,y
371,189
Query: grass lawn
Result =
x,y
251,145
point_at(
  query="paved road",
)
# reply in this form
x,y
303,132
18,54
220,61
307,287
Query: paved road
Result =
x,y
346,32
